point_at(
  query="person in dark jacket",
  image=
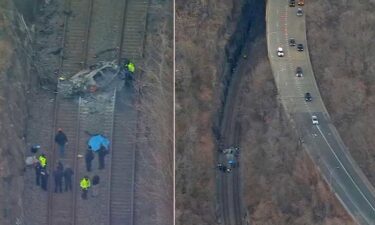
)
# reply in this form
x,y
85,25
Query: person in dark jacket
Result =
x,y
34,149
102,153
89,156
44,178
95,180
222,167
60,166
95,186
58,175
68,173
38,167
61,141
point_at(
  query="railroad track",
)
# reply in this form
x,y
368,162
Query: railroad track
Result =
x,y
229,184
85,37
121,200
90,116
131,46
76,33
105,31
236,180
230,189
133,29
61,208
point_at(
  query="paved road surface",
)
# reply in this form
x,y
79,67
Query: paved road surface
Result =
x,y
322,142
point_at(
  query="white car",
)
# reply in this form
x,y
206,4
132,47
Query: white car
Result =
x,y
280,52
314,120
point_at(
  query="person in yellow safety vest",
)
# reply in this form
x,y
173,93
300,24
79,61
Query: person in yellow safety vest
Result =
x,y
42,160
127,72
131,67
85,185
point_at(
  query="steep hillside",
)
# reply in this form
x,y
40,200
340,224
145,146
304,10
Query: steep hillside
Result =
x,y
341,41
14,84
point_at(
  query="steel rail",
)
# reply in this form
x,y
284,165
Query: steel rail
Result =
x,y
52,156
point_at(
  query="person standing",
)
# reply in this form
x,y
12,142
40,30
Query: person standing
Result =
x,y
102,153
68,173
42,160
85,185
44,178
95,186
38,168
34,149
60,166
61,139
89,156
58,175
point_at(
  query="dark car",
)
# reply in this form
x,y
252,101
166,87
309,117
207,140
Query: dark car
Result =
x,y
292,42
308,97
299,12
299,72
300,47
292,3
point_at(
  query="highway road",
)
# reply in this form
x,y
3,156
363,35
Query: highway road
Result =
x,y
322,141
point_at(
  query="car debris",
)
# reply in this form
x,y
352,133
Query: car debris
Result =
x,y
100,76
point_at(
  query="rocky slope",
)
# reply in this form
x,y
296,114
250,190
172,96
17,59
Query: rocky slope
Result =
x,y
14,85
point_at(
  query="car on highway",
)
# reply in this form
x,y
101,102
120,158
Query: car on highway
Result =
x,y
299,12
292,42
299,72
300,47
292,3
308,97
314,120
301,2
280,52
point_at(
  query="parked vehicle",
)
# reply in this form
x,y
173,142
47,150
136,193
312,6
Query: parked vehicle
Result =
x,y
301,2
292,3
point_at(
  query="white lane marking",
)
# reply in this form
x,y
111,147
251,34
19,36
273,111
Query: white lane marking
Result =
x,y
334,153
273,32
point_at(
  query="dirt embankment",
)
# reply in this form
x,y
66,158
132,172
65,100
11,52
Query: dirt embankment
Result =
x,y
341,43
280,183
14,86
